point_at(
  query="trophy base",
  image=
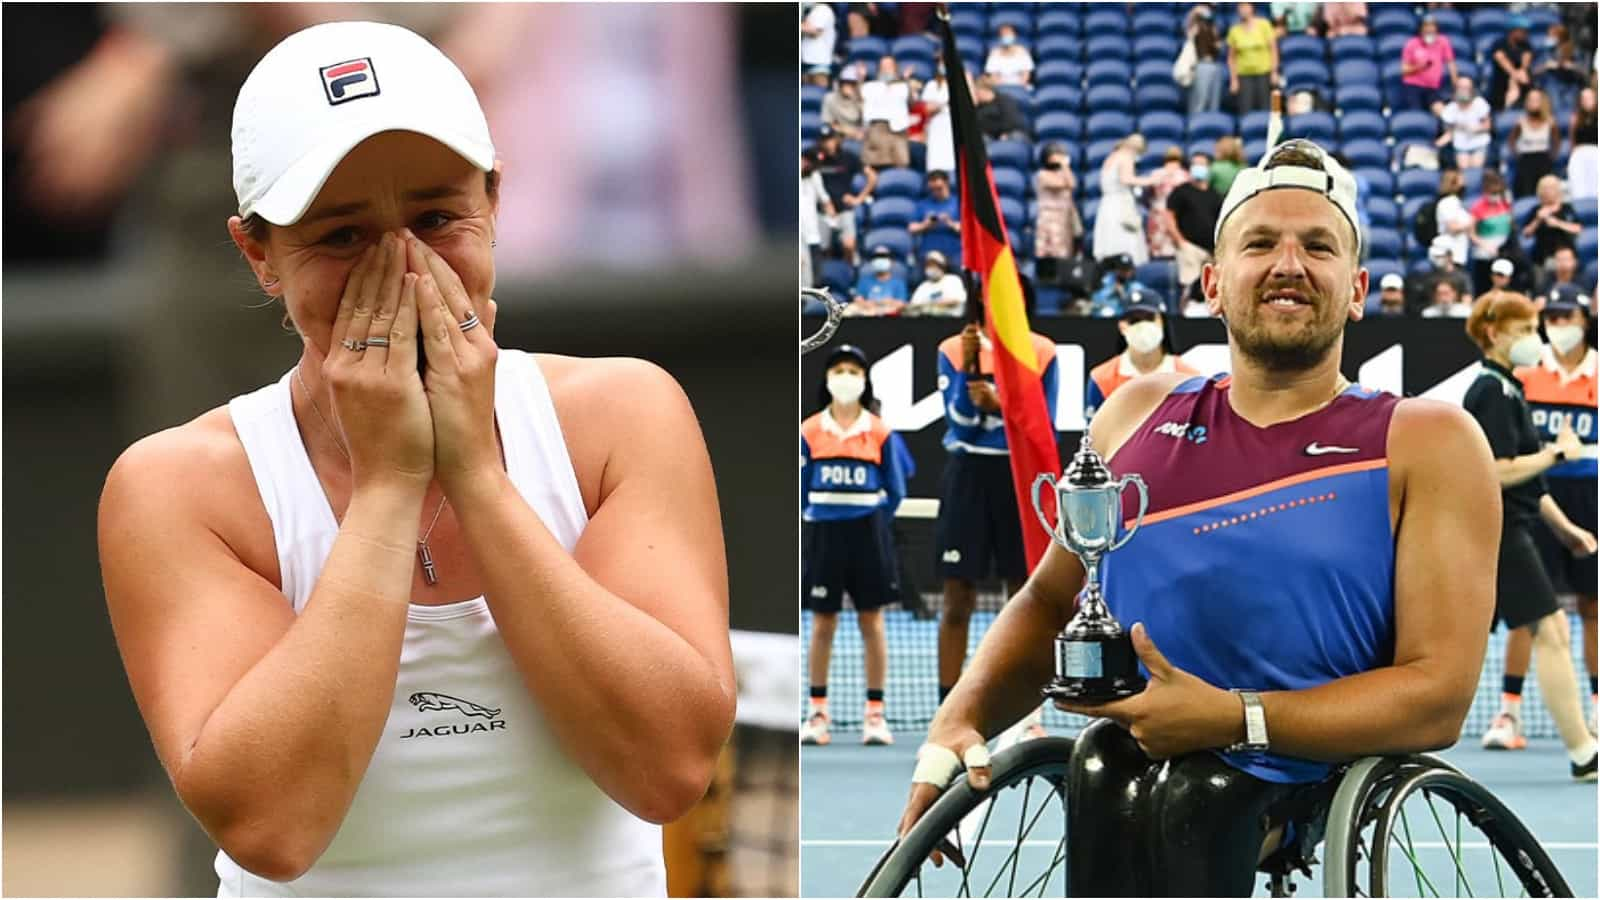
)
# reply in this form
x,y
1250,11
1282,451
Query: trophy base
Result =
x,y
1092,690
1095,668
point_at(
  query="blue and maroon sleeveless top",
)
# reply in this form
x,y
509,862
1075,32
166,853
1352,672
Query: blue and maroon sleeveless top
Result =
x,y
1265,561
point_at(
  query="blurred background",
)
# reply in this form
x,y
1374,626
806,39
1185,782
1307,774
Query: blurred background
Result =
x,y
647,209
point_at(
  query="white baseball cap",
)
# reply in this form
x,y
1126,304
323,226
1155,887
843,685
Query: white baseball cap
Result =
x,y
1330,180
1441,246
1503,266
324,90
1392,281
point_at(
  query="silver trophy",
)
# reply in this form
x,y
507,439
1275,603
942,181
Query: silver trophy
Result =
x,y
835,313
1095,662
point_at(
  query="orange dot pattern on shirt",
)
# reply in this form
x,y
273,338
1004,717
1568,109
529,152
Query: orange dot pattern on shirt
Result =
x,y
1265,511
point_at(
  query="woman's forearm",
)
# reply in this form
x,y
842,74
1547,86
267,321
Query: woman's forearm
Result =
x,y
276,764
630,700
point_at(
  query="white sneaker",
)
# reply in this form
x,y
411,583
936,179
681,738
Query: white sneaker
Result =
x,y
875,729
816,729
1504,734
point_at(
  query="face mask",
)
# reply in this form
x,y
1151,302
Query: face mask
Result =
x,y
846,387
1007,40
932,274
1463,96
1199,173
1144,336
1429,38
885,76
1524,350
1564,337
881,265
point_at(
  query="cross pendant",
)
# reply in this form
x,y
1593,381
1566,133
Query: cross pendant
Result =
x,y
428,573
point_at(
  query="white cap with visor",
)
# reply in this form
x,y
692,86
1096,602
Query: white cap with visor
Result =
x,y
323,90
1329,179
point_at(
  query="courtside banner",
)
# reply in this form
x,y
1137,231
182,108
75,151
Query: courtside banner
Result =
x,y
1018,372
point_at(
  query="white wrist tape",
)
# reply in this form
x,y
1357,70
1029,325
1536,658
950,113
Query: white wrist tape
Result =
x,y
938,765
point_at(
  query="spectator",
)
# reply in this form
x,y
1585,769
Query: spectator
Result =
x,y
886,107
841,107
1199,67
1191,20
1058,226
879,291
937,131
1252,61
938,223
1344,19
999,116
1162,181
818,76
1226,163
813,198
1118,227
1118,288
1562,272
1553,223
818,35
1443,268
1294,18
1468,123
1454,222
941,292
1583,166
1009,62
1191,219
1510,62
1391,295
1492,226
1447,304
839,168
865,19
1501,271
1561,73
1534,139
1423,63
1144,347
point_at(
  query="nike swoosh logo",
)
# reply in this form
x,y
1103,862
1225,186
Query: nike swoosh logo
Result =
x,y
1316,449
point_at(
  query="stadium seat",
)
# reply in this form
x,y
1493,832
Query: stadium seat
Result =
x,y
838,276
968,17
1157,47
1109,98
1305,74
1088,210
1418,183
1153,71
1490,20
1052,72
1155,153
1058,48
1408,212
1540,18
1158,98
1448,19
1161,276
1466,68
1482,45
1095,154
892,212
1208,126
1587,245
810,124
1057,98
1161,126
868,49
1255,149
1021,21
1111,20
1016,216
1199,146
1108,126
1382,212
1390,46
1012,154
1112,72
1587,211
1356,71
1058,126
1390,18
1521,207
1020,93
1107,47
1161,23
898,183
811,98
1413,127
1460,43
1380,266
1362,125
1010,182
898,240
1355,46
1472,181
1316,126
914,43
1379,180
1058,21
1301,46
1504,121
1254,125
1383,242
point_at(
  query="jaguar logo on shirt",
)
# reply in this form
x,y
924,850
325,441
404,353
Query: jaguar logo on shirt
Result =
x,y
431,701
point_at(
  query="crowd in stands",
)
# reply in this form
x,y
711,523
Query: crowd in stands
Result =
x,y
1114,130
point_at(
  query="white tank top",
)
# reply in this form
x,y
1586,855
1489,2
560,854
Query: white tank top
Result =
x,y
468,793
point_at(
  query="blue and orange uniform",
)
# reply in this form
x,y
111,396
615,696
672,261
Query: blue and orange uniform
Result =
x,y
853,481
979,529
1118,371
1556,396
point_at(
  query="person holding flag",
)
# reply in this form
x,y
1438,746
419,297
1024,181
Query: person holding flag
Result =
x,y
1321,594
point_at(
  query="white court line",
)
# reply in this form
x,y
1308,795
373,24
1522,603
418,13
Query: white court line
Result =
x,y
1424,845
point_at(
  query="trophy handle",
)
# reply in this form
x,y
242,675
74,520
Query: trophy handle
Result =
x,y
1038,510
1144,504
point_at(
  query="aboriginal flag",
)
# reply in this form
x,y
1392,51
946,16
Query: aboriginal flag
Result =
x,y
1030,431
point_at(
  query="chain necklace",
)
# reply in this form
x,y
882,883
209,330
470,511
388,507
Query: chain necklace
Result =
x,y
424,556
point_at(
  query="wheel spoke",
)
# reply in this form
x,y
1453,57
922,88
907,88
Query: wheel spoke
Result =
x,y
1023,837
1409,850
977,844
1455,851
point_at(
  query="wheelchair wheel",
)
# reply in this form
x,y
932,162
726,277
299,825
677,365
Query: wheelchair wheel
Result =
x,y
1418,827
1008,841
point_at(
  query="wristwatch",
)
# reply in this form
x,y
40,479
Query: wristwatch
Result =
x,y
1255,723
1561,455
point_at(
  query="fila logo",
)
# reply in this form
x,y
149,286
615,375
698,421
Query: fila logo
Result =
x,y
429,701
1194,434
349,80
1316,449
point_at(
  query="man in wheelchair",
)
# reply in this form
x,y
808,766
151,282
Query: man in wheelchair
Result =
x,y
1312,582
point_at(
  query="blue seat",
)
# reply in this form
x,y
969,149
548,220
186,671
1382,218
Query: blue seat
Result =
x,y
1058,126
1460,43
1254,125
1109,97
898,240
914,43
1472,181
1155,71
1108,72
1587,246
1094,155
1413,127
1380,266
898,183
1009,182
1356,71
1301,46
1488,20
1409,210
1015,214
1058,20
1208,126
1392,18
1089,209
1383,242
1305,73
1316,126
1011,153
1156,47
1056,48
1161,126
838,277
892,212
1255,149
1106,21
1156,22
1466,68
1021,21
968,17
1107,46
1482,46
1504,121
1199,146
1362,125
1158,97
1161,276
1021,94
811,98
868,48
1057,98
1390,46
1521,207
1382,211
1419,183
1104,126
1540,18
1355,46
810,124
1051,72
1380,181
1588,211
1448,19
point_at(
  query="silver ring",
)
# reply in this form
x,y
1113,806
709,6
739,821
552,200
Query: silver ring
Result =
x,y
470,322
349,344
377,342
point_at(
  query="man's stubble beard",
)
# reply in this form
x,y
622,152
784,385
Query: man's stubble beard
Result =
x,y
1293,351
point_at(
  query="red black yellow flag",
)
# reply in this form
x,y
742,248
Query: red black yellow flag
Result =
x,y
1018,371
